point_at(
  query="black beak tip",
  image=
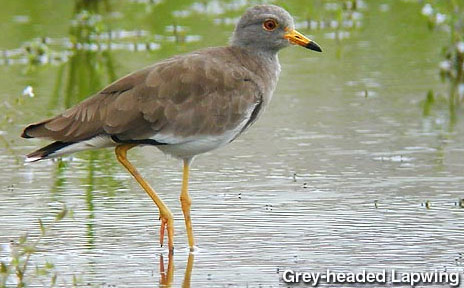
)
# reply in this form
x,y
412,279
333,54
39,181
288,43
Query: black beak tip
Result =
x,y
314,46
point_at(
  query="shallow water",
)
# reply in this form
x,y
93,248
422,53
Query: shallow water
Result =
x,y
345,171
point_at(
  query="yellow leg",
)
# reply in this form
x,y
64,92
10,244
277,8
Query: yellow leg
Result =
x,y
165,213
186,203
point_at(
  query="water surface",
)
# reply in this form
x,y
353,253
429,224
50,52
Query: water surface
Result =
x,y
345,170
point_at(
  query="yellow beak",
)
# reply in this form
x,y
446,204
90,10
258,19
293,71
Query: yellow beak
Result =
x,y
297,38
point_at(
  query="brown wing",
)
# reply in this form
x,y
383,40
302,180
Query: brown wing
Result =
x,y
205,92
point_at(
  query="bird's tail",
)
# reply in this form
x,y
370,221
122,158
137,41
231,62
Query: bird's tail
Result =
x,y
50,151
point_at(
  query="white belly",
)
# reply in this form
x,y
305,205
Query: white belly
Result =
x,y
192,147
188,147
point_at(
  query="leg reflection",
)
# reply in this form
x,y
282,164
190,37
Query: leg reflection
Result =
x,y
167,276
188,271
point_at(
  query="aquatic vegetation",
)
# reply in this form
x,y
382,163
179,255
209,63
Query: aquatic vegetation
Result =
x,y
448,16
91,30
15,266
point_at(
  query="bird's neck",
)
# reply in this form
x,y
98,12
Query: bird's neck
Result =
x,y
267,60
269,55
270,62
264,66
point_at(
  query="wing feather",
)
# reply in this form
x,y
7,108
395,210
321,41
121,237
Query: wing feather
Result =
x,y
204,92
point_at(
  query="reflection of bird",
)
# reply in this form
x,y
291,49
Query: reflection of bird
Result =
x,y
185,105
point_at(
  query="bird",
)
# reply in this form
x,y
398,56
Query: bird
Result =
x,y
185,105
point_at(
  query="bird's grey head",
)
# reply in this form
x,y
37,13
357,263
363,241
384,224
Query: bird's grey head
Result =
x,y
268,28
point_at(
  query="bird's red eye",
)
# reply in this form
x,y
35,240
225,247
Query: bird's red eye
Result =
x,y
270,24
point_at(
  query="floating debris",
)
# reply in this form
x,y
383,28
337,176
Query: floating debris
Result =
x,y
427,204
460,203
28,91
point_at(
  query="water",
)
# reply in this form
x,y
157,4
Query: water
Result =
x,y
347,169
